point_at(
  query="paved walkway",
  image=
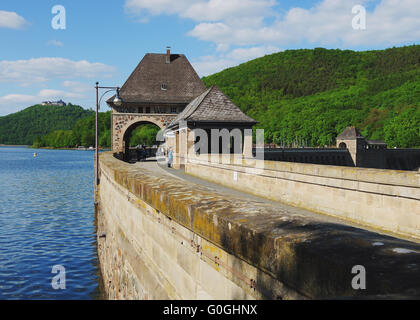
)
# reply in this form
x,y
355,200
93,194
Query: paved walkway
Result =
x,y
153,166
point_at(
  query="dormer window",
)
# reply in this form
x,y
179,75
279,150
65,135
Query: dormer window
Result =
x,y
163,86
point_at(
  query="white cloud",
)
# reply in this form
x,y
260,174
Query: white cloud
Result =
x,y
245,54
11,20
212,64
55,43
327,23
239,12
41,70
51,94
78,87
232,10
157,7
15,102
18,98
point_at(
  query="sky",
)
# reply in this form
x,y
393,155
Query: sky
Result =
x,y
43,57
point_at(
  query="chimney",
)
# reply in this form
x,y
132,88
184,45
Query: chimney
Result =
x,y
168,54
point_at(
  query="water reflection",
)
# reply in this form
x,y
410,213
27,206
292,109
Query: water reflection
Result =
x,y
47,219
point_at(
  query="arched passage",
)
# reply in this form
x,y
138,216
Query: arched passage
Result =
x,y
139,140
122,121
342,145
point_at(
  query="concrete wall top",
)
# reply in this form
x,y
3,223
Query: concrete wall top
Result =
x,y
380,176
313,257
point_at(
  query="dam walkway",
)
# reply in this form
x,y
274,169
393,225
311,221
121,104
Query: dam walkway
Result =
x,y
154,166
165,234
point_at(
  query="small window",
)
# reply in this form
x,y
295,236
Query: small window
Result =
x,y
163,87
173,110
342,145
147,109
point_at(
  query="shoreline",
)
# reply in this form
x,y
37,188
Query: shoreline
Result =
x,y
14,145
52,148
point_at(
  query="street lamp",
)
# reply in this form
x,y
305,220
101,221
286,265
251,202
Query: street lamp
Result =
x,y
117,102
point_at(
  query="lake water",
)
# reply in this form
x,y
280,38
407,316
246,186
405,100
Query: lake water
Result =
x,y
47,219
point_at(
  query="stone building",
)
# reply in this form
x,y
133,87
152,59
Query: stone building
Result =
x,y
352,140
59,103
211,110
159,88
375,154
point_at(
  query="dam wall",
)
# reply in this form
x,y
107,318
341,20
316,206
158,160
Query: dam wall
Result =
x,y
164,238
387,200
146,253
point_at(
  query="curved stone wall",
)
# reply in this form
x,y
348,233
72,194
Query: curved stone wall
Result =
x,y
160,239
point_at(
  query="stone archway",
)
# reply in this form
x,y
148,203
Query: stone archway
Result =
x,y
123,122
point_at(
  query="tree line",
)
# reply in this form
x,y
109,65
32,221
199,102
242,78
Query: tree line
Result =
x,y
308,97
82,134
21,128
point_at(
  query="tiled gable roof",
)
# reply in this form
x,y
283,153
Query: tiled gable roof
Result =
x,y
213,106
145,83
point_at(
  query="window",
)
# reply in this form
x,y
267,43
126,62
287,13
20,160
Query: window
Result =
x,y
147,109
173,110
163,87
140,110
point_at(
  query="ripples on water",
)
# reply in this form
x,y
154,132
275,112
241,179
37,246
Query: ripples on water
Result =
x,y
47,219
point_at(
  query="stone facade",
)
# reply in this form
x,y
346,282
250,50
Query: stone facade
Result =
x,y
156,92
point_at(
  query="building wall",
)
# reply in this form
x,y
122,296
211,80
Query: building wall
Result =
x,y
382,199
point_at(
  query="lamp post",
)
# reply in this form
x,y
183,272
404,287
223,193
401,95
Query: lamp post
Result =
x,y
117,102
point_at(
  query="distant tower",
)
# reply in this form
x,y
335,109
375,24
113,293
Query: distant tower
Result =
x,y
352,140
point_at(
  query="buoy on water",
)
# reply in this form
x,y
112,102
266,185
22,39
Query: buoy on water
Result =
x,y
35,155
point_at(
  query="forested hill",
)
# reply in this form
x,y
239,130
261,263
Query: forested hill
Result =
x,y
307,97
23,127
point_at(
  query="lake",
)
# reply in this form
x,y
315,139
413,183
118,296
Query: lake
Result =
x,y
47,219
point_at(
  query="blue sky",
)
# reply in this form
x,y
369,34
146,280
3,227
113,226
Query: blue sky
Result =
x,y
104,40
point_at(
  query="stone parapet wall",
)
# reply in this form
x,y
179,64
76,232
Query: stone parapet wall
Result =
x,y
387,200
162,239
145,254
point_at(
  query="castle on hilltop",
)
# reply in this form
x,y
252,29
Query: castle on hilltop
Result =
x,y
59,103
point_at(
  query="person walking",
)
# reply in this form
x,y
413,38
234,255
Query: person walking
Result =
x,y
170,158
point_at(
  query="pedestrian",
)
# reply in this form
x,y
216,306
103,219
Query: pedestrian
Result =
x,y
170,158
